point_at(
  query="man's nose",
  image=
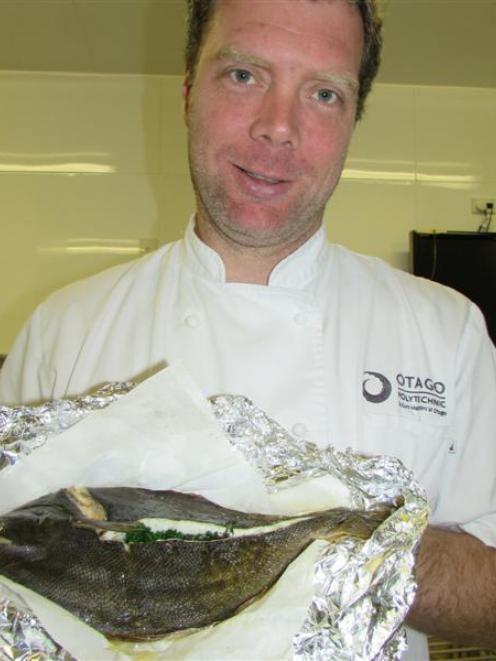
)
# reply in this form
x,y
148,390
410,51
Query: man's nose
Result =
x,y
276,119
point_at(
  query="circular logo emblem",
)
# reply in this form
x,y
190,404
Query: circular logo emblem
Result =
x,y
376,388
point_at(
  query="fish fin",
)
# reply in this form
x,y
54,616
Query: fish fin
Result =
x,y
103,526
86,504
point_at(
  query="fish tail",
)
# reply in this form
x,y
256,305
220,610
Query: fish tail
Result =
x,y
355,524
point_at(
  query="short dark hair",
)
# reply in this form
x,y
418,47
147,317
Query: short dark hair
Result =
x,y
201,11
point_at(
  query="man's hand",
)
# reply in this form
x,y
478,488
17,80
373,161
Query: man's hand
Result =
x,y
456,597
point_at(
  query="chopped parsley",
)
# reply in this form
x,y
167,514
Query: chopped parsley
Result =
x,y
143,534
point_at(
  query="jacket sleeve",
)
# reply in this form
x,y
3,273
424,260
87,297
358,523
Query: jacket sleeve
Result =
x,y
468,496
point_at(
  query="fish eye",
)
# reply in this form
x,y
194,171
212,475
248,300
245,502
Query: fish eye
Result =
x,y
241,76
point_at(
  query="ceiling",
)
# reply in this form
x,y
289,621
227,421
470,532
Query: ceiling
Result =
x,y
427,42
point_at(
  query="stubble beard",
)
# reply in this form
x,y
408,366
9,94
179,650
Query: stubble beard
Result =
x,y
300,220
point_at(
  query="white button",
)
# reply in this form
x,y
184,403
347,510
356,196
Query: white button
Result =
x,y
300,318
299,429
192,321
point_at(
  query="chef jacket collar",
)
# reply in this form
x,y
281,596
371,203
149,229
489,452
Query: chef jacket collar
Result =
x,y
293,272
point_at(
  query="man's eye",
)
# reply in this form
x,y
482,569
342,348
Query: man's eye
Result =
x,y
326,96
241,76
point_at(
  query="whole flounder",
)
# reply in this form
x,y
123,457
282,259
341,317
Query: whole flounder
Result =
x,y
57,546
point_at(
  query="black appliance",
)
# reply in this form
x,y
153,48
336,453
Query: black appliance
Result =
x,y
465,261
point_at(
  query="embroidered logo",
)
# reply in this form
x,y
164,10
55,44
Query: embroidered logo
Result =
x,y
414,393
376,387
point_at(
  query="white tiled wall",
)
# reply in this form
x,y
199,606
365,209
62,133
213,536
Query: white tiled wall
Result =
x,y
93,169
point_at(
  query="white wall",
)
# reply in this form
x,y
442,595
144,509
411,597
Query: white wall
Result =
x,y
93,169
418,158
89,167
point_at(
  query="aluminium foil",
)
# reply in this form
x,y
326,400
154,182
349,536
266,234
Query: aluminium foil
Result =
x,y
362,590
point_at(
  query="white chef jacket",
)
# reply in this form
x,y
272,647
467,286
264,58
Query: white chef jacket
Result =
x,y
339,348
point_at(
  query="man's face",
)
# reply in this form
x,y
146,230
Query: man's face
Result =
x,y
270,113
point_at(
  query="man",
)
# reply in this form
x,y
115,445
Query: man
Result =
x,y
337,347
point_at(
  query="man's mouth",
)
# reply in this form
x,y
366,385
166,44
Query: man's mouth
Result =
x,y
262,177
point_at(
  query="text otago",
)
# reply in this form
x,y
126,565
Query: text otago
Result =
x,y
419,394
416,383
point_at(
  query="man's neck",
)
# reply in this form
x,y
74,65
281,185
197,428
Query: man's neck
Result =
x,y
251,265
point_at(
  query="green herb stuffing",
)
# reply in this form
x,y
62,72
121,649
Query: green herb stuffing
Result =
x,y
143,534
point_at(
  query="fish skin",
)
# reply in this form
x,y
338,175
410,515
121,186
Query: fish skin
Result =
x,y
145,591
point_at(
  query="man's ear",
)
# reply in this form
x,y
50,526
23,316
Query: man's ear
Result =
x,y
186,91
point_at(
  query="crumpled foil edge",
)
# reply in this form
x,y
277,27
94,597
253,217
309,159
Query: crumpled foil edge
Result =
x,y
22,637
23,429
